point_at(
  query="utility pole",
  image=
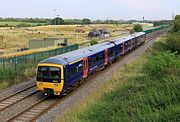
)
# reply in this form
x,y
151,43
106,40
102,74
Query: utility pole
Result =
x,y
58,24
173,16
54,20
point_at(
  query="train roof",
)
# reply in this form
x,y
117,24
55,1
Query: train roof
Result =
x,y
124,39
139,34
70,57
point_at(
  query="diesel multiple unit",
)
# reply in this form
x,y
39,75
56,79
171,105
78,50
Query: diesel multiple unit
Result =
x,y
56,74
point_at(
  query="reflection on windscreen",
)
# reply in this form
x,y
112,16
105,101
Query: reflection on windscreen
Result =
x,y
48,74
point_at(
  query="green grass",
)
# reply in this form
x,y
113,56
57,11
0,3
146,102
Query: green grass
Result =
x,y
19,23
134,94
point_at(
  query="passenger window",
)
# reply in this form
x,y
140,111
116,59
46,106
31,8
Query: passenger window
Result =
x,y
80,68
90,62
121,48
100,57
67,75
73,71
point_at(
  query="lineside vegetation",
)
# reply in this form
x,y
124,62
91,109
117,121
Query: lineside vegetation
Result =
x,y
144,90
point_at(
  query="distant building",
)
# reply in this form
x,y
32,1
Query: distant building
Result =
x,y
46,42
148,25
99,33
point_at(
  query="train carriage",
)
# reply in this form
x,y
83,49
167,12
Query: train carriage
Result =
x,y
57,73
140,38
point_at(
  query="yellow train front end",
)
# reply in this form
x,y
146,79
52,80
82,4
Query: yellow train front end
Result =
x,y
50,78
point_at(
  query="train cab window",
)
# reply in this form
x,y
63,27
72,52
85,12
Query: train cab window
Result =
x,y
72,71
49,74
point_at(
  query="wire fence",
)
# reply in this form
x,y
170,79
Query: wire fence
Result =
x,y
20,62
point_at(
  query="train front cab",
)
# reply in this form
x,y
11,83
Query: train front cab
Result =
x,y
50,78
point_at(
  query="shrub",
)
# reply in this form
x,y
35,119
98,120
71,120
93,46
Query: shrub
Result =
x,y
162,65
173,42
177,23
138,28
93,42
57,21
7,74
86,21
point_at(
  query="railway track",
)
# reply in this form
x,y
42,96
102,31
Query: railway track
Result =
x,y
44,104
17,97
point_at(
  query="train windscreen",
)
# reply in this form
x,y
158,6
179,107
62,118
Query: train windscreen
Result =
x,y
49,74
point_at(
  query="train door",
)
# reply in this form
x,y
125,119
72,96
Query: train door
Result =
x,y
106,56
85,67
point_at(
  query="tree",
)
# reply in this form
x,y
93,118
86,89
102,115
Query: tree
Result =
x,y
138,28
98,22
57,21
86,21
177,23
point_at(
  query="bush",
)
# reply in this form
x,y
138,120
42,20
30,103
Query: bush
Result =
x,y
86,21
93,42
57,21
170,43
177,23
138,28
173,42
162,65
7,74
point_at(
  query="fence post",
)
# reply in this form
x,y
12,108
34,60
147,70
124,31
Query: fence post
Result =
x,y
34,56
25,59
3,63
14,60
55,51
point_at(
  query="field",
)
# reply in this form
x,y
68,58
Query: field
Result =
x,y
18,37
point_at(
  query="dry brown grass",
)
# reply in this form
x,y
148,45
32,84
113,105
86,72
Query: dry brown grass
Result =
x,y
12,38
17,38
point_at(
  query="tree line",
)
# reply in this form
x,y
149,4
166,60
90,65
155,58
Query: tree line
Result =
x,y
61,21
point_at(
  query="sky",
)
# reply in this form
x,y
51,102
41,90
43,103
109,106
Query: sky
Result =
x,y
93,9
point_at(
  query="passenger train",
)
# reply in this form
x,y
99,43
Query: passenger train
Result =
x,y
56,74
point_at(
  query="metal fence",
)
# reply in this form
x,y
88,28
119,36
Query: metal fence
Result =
x,y
20,62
